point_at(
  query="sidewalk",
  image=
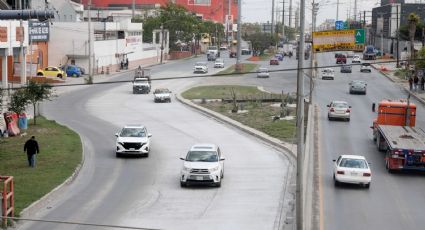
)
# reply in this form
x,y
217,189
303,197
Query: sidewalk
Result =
x,y
388,70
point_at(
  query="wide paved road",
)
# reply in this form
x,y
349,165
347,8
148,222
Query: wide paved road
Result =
x,y
145,192
394,201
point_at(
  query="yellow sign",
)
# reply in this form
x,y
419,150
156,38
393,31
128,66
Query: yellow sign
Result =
x,y
334,40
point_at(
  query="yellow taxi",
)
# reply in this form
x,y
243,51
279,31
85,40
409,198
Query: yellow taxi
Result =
x,y
52,71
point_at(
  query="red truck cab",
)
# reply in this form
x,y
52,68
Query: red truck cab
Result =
x,y
341,59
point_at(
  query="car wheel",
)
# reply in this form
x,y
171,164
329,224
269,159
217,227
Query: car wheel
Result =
x,y
351,92
329,118
222,174
59,76
367,185
183,184
146,154
74,75
218,184
118,154
39,74
348,119
169,100
336,183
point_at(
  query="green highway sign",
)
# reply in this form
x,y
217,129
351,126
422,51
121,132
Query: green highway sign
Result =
x,y
360,36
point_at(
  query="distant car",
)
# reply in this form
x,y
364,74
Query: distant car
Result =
x,y
211,57
200,67
133,140
219,63
162,95
346,69
279,56
356,59
141,85
245,52
357,86
82,70
341,59
328,74
365,68
350,54
352,169
337,54
274,61
203,164
263,73
52,71
72,71
223,47
339,110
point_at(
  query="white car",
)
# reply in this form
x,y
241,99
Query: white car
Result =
x,y
352,169
356,59
263,73
200,67
219,63
133,140
365,68
328,74
162,95
339,110
203,164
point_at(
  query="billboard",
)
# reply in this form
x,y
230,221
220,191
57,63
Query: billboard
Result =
x,y
39,31
335,40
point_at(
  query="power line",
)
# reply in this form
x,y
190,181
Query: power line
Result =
x,y
209,76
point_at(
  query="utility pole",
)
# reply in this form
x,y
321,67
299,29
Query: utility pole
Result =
x,y
133,8
337,9
355,10
21,53
90,41
398,40
238,66
300,121
272,18
283,19
290,13
227,22
314,10
162,42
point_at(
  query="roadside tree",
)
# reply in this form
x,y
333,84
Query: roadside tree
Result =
x,y
37,92
18,101
413,21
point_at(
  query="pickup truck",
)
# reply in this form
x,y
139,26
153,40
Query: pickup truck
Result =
x,y
369,53
213,51
141,85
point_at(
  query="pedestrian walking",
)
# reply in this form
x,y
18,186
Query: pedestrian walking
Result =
x,y
410,83
415,82
31,148
423,83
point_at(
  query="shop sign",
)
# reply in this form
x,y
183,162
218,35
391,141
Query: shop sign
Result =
x,y
39,31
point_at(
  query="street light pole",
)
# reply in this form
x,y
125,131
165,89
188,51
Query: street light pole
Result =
x,y
238,66
314,9
272,18
162,42
90,40
398,39
300,120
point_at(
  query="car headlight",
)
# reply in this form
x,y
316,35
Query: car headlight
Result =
x,y
186,169
214,169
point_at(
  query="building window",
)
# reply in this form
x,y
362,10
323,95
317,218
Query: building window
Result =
x,y
199,2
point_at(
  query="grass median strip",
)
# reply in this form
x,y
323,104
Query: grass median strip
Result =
x,y
263,116
246,68
60,153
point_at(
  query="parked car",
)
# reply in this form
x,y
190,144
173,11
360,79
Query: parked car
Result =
x,y
203,164
274,61
356,59
357,86
72,71
200,67
263,73
219,63
133,140
346,69
365,68
341,59
52,71
328,74
162,95
352,169
245,52
339,110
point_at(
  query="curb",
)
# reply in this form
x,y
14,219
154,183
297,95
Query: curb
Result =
x,y
383,73
288,148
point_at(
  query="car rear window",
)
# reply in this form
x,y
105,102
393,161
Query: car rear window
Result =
x,y
202,156
353,163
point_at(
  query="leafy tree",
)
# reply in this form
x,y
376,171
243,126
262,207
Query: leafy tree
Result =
x,y
421,62
261,41
37,92
413,21
18,101
404,31
1,99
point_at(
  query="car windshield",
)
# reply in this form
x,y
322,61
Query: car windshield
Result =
x,y
202,156
162,91
201,64
353,163
328,71
340,105
141,80
358,84
219,60
263,70
133,132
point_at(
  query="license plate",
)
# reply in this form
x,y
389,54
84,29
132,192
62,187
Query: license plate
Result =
x,y
199,178
353,174
131,149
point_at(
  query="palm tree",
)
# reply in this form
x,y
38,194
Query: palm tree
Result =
x,y
413,21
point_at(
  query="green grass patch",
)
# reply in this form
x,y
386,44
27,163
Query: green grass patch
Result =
x,y
224,91
266,56
257,115
60,153
246,68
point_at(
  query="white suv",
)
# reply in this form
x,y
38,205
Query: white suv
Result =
x,y
203,164
133,139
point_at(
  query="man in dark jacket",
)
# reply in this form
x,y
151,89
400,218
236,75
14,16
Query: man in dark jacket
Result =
x,y
31,147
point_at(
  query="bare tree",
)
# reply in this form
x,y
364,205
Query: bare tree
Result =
x,y
235,104
413,21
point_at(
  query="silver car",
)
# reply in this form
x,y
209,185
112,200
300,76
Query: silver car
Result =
x,y
263,73
339,110
357,86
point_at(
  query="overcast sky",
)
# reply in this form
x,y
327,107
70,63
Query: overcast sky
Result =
x,y
260,10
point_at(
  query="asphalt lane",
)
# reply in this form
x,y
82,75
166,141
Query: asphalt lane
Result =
x,y
394,201
145,192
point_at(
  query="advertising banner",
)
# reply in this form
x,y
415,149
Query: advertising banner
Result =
x,y
338,40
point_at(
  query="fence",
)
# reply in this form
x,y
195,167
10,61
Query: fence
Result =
x,y
7,201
